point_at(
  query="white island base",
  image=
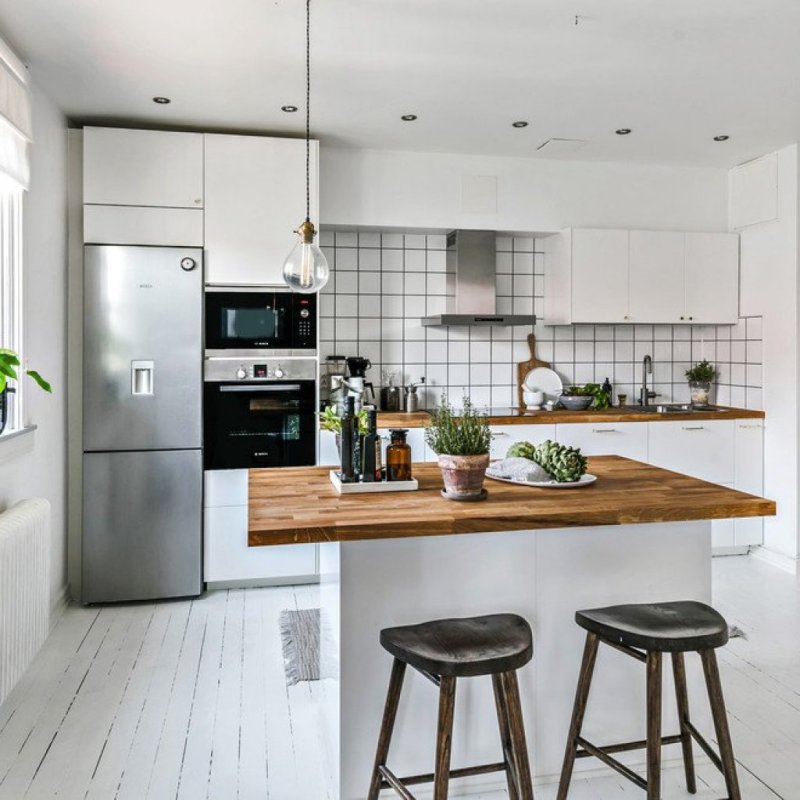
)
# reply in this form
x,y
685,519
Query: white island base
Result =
x,y
544,575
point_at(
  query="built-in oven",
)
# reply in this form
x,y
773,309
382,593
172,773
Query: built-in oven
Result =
x,y
259,413
254,322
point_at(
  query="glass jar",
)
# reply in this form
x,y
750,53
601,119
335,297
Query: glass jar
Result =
x,y
398,456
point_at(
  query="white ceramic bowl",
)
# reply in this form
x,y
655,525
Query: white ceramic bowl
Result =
x,y
533,399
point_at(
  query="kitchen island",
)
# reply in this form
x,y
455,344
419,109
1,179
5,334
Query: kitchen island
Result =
x,y
638,534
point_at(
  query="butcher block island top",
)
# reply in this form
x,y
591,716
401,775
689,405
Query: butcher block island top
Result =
x,y
299,505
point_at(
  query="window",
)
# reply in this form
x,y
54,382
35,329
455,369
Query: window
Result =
x,y
15,136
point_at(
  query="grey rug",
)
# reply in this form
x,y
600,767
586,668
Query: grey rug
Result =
x,y
300,638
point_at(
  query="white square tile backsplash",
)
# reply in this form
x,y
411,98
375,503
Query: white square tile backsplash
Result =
x,y
382,284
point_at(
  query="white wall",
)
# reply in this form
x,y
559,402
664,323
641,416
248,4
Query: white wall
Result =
x,y
361,188
34,466
769,264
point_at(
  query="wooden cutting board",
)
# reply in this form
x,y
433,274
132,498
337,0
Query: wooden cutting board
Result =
x,y
524,367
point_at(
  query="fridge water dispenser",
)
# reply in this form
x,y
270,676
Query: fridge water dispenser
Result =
x,y
142,377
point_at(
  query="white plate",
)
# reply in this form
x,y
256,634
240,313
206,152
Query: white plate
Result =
x,y
584,480
544,380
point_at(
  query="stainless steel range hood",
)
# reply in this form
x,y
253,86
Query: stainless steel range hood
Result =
x,y
471,294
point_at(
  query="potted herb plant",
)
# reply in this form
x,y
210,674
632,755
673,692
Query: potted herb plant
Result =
x,y
462,443
700,378
9,361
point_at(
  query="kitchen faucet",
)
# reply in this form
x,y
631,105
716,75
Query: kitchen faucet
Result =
x,y
645,395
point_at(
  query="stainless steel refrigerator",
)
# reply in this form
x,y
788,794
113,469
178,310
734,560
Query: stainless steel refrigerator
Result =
x,y
142,423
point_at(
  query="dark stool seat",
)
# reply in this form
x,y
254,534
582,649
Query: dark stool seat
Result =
x,y
462,648
684,626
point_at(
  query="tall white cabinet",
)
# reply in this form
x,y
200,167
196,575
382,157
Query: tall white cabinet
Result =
x,y
255,198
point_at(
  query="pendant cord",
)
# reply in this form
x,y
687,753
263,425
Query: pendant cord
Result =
x,y
308,110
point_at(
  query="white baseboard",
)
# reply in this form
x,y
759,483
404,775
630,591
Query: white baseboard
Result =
x,y
59,606
741,550
779,560
258,583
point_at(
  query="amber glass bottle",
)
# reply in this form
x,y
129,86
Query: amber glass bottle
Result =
x,y
398,456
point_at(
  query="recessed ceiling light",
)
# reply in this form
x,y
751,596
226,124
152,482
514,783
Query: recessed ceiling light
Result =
x,y
162,101
289,109
623,131
519,124
722,138
408,117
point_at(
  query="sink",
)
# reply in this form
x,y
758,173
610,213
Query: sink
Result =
x,y
671,408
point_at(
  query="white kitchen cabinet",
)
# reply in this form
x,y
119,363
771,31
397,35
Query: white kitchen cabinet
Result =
x,y
226,555
619,276
712,278
749,477
168,227
255,198
627,439
656,277
503,436
703,449
723,532
142,168
586,276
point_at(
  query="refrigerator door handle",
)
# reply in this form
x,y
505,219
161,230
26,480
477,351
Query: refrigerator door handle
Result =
x,y
142,377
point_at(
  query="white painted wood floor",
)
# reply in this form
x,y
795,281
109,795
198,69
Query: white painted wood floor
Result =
x,y
188,700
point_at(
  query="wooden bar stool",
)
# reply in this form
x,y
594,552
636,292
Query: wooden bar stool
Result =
x,y
645,632
444,650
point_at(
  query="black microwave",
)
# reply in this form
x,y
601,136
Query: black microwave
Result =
x,y
282,323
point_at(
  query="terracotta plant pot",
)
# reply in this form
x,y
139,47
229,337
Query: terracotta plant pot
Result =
x,y
463,475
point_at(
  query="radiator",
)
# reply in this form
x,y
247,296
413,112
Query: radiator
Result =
x,y
24,587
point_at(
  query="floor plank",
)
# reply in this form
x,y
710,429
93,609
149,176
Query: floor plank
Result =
x,y
188,700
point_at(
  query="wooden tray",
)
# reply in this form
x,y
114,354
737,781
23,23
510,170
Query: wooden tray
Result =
x,y
524,367
371,487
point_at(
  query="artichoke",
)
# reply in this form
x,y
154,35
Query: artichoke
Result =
x,y
563,463
521,450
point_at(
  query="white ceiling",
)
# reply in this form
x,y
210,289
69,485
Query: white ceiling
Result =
x,y
677,72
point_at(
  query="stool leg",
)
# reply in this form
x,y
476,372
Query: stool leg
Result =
x,y
714,686
578,711
679,671
519,747
387,726
444,736
653,726
505,735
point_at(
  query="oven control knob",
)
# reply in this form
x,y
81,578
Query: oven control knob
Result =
x,y
241,373
279,373
304,313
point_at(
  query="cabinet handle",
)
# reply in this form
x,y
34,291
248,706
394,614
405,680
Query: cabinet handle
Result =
x,y
604,430
751,427
693,428
498,435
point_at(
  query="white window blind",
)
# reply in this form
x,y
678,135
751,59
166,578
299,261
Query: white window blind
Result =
x,y
15,121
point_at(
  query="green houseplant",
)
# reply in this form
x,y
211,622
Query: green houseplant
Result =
x,y
462,443
9,362
700,378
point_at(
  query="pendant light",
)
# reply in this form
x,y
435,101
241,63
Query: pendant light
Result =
x,y
306,268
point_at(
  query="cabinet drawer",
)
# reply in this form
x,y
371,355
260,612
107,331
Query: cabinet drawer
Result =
x,y
702,449
228,558
503,436
627,439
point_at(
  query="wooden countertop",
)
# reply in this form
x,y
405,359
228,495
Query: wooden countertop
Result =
x,y
299,504
420,419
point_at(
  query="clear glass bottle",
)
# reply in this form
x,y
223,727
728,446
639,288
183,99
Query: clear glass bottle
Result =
x,y
398,456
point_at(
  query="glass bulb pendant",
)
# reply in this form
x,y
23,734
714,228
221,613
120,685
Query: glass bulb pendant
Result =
x,y
306,268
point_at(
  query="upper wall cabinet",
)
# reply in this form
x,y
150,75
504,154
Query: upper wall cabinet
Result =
x,y
124,167
620,276
255,198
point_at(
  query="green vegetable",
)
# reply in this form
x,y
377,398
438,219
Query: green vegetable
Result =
x,y
329,420
465,434
595,390
562,463
521,450
702,372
